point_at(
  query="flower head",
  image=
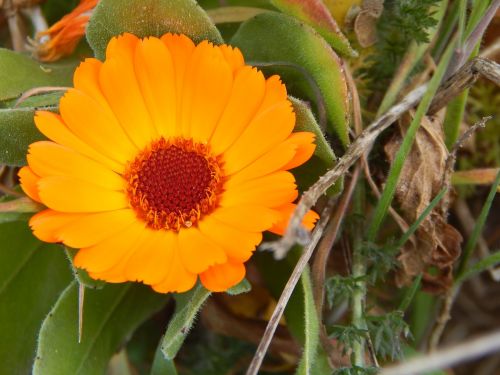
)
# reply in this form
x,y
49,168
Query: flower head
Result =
x,y
62,37
167,162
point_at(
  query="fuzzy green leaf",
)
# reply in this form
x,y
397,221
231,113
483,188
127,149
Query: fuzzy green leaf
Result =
x,y
17,132
148,18
110,315
80,274
161,365
187,307
317,15
305,61
19,73
311,327
32,275
243,286
323,158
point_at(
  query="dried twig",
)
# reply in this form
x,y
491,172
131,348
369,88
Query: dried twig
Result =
x,y
444,358
287,291
463,79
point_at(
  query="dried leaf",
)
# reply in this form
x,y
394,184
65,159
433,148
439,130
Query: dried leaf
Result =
x,y
438,243
365,28
481,176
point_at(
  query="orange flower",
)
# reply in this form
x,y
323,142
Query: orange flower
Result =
x,y
167,162
62,37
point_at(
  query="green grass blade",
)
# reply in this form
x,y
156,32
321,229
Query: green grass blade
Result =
x,y
485,263
478,228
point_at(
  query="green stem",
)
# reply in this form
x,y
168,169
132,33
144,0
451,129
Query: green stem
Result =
x,y
358,271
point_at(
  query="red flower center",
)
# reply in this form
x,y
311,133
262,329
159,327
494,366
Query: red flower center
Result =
x,y
173,183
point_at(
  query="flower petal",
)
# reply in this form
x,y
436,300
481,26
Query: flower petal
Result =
x,y
155,72
152,260
237,244
67,194
178,278
272,190
52,126
51,159
89,229
120,87
197,251
286,212
246,96
247,218
28,180
79,110
112,251
47,224
206,90
276,123
221,277
305,148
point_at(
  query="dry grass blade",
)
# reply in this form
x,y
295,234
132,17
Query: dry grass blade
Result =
x,y
444,358
254,367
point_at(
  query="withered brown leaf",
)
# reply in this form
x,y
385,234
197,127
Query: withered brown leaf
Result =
x,y
422,177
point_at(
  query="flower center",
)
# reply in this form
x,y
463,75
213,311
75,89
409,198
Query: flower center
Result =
x,y
173,183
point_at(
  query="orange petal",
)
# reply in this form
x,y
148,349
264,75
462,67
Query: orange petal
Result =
x,y
68,194
152,260
247,218
204,95
120,87
267,130
47,224
28,180
233,56
270,162
53,127
156,76
112,251
48,158
286,212
197,251
178,278
272,190
89,229
96,126
181,49
237,244
305,148
246,96
221,277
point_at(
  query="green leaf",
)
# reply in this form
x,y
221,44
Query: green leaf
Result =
x,y
17,132
243,286
110,315
323,158
19,73
32,275
148,18
317,15
161,365
304,60
187,307
311,326
80,274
